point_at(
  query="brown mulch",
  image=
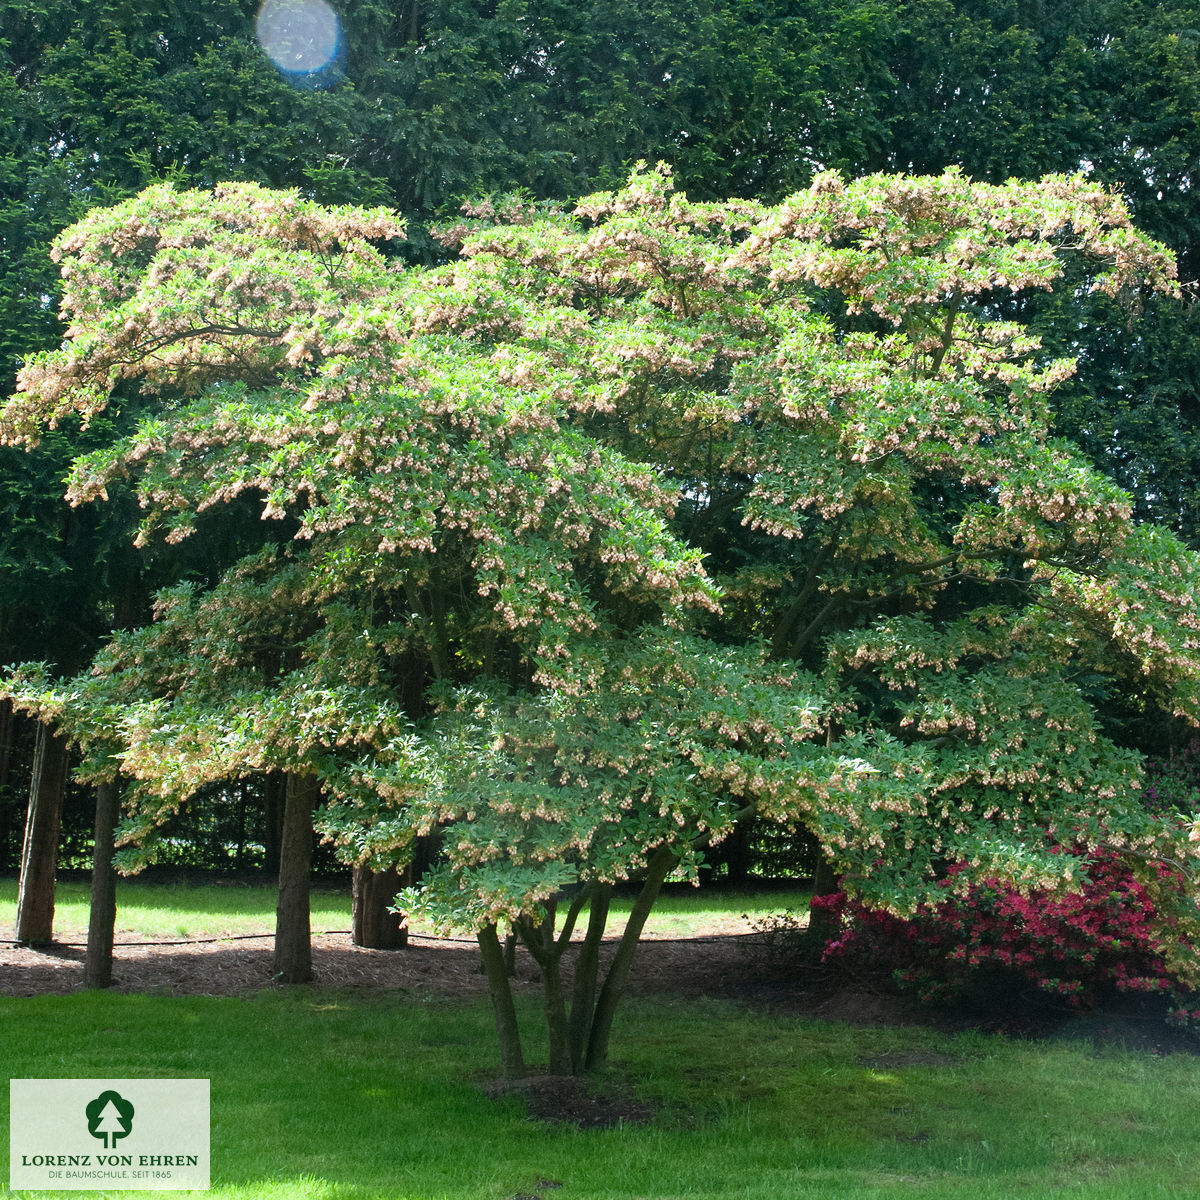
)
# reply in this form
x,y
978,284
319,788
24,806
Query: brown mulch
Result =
x,y
242,966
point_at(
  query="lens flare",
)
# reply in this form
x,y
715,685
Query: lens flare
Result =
x,y
303,38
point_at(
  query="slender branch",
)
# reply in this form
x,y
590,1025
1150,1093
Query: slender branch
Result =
x,y
939,355
154,345
1186,872
809,587
577,905
813,627
533,939
657,870
702,839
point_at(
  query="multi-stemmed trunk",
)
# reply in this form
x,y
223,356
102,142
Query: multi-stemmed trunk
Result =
x,y
578,1037
617,978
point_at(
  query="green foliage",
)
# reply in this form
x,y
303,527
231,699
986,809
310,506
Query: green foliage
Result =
x,y
477,464
668,742
442,99
479,603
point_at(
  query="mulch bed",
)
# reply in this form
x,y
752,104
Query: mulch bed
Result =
x,y
241,966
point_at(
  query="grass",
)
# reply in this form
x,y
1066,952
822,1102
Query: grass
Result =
x,y
323,1095
334,1096
152,909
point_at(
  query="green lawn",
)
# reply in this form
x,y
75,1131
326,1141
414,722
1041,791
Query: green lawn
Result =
x,y
349,1096
170,911
156,910
320,1094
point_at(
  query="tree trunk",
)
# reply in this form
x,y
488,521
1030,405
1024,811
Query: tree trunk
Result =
x,y
7,806
97,967
512,1061
293,943
547,953
587,968
557,1027
618,972
373,924
39,854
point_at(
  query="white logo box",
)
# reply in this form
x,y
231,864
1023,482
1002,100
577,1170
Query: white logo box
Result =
x,y
108,1134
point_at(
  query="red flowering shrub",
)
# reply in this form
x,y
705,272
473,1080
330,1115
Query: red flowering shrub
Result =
x,y
1133,932
1074,945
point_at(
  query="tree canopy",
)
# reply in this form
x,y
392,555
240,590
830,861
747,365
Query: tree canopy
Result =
x,y
622,523
435,101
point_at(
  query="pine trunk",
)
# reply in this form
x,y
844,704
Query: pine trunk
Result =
x,y
6,741
293,939
39,854
97,967
373,924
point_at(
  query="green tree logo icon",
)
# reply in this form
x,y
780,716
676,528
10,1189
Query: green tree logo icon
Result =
x,y
109,1116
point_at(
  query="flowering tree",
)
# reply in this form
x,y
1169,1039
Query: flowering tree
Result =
x,y
621,525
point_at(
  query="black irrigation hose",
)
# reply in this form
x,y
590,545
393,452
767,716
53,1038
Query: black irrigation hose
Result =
x,y
233,937
429,937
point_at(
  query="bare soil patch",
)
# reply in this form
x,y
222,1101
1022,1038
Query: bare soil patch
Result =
x,y
569,1100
